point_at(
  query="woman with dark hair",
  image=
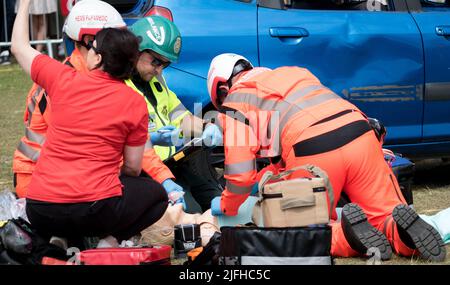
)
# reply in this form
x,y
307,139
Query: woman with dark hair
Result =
x,y
96,121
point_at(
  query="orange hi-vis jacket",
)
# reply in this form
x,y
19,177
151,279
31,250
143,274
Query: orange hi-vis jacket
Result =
x,y
36,119
265,114
153,166
37,116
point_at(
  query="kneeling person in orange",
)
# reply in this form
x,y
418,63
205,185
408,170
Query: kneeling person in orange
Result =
x,y
288,113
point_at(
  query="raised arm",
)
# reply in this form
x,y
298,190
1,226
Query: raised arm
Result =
x,y
20,40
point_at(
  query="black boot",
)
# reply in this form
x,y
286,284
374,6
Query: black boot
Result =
x,y
361,235
417,234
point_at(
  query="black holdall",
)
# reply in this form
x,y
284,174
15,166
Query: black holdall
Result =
x,y
21,244
275,246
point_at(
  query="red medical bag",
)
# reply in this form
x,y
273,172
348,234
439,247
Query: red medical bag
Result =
x,y
154,255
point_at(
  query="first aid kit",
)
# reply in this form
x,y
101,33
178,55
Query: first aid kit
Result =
x,y
295,202
153,255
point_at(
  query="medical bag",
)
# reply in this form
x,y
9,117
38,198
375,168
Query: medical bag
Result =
x,y
275,246
153,255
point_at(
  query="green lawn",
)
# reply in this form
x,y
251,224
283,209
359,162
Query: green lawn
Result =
x,y
431,190
14,85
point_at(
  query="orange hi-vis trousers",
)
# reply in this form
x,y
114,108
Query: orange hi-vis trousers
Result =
x,y
358,168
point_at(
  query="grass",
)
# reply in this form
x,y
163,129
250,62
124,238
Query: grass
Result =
x,y
14,86
431,188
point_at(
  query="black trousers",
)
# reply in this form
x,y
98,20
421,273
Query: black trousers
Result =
x,y
143,202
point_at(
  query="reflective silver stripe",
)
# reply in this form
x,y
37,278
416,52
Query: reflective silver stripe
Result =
x,y
252,99
148,144
292,98
28,151
237,189
274,260
178,111
272,105
240,167
34,137
316,100
162,81
32,106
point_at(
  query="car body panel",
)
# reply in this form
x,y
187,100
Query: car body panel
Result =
x,y
390,64
373,59
436,125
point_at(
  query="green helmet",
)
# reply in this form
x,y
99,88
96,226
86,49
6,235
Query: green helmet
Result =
x,y
158,34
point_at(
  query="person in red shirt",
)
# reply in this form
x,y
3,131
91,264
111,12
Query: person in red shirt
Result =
x,y
97,120
81,26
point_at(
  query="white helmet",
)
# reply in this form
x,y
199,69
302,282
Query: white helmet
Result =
x,y
221,70
90,16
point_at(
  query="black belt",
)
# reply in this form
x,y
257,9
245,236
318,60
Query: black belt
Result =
x,y
331,140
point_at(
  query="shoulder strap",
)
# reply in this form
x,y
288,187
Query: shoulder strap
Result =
x,y
237,114
314,170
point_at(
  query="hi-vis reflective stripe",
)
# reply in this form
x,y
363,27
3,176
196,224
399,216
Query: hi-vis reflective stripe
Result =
x,y
237,189
281,105
268,104
240,167
34,137
32,106
162,81
148,144
302,92
178,111
305,104
287,107
28,151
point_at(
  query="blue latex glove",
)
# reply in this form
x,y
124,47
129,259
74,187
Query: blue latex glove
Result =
x,y
254,190
171,187
166,136
212,136
215,207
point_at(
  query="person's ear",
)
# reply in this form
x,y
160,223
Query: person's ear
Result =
x,y
224,89
98,60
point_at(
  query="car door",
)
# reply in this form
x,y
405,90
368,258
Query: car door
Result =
x,y
434,24
366,52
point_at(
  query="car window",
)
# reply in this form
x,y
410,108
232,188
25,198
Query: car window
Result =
x,y
361,5
123,6
436,5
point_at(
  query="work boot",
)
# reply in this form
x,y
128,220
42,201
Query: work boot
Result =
x,y
362,236
417,234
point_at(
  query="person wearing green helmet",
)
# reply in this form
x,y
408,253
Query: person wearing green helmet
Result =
x,y
159,46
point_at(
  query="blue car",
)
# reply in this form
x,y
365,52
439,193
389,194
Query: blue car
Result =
x,y
391,58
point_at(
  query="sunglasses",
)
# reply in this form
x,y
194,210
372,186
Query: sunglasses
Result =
x,y
156,62
90,45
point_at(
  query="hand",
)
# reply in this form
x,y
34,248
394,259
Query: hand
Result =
x,y
174,190
166,136
215,207
212,136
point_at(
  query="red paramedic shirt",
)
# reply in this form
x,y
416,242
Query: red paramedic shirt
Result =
x,y
93,117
